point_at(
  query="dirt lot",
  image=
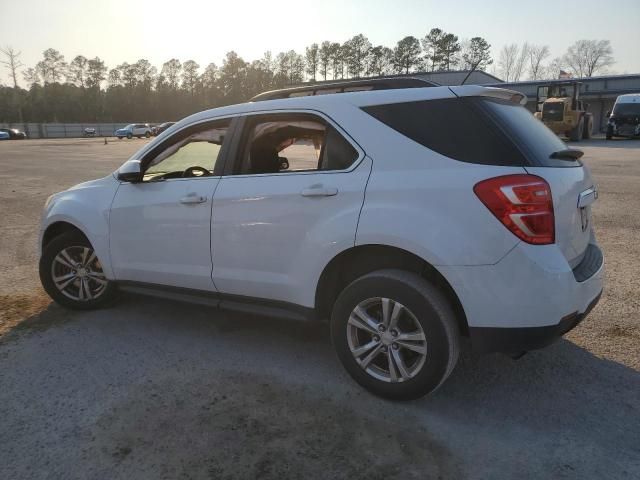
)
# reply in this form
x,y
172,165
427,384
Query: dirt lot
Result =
x,y
155,389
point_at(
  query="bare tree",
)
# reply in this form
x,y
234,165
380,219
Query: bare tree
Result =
x,y
31,76
521,62
588,57
554,69
12,63
537,55
507,61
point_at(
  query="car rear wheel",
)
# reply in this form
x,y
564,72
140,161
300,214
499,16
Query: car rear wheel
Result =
x,y
72,274
147,135
395,334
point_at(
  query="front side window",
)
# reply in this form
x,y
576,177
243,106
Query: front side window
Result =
x,y
188,154
284,143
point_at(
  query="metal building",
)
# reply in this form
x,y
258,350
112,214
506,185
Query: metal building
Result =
x,y
599,93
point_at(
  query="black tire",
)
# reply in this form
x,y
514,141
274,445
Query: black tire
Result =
x,y
119,138
576,133
50,251
129,136
609,133
430,309
147,135
588,127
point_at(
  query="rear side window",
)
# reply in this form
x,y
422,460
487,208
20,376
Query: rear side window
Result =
x,y
530,134
454,127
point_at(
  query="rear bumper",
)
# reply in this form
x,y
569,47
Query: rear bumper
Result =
x,y
515,340
529,298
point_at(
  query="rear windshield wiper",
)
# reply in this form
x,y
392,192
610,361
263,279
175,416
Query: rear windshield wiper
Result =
x,y
568,154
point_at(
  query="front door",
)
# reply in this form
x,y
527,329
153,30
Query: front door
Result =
x,y
289,206
160,230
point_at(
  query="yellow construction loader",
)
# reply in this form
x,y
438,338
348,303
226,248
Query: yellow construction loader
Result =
x,y
559,107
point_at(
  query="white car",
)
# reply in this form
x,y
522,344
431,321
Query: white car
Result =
x,y
134,130
408,217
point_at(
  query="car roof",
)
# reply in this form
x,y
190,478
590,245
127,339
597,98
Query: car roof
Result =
x,y
628,98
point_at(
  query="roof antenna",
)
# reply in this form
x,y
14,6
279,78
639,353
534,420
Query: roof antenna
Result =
x,y
473,69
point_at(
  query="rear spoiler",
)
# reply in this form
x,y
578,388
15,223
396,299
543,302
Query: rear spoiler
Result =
x,y
478,91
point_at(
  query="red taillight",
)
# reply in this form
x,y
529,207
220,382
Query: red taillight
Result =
x,y
523,204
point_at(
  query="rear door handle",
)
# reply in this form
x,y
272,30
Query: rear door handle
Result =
x,y
319,191
193,199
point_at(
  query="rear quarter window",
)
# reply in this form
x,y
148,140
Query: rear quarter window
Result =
x,y
455,127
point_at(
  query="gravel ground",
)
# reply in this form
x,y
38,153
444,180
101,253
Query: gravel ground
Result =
x,y
155,389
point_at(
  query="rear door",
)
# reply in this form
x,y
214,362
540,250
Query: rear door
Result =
x,y
289,203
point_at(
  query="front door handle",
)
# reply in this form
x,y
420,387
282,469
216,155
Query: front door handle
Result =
x,y
193,199
319,191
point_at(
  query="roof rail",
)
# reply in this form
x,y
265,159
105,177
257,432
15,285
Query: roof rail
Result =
x,y
389,83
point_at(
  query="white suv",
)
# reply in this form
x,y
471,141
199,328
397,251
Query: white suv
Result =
x,y
409,217
134,130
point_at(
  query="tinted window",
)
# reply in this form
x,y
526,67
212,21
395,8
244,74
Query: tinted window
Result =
x,y
530,134
455,127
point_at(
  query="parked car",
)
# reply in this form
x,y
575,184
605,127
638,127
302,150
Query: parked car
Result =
x,y
365,208
134,130
162,127
14,133
89,132
624,119
4,135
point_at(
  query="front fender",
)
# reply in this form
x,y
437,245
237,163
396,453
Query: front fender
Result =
x,y
86,207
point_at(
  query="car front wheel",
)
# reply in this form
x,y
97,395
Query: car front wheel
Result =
x,y
72,274
395,333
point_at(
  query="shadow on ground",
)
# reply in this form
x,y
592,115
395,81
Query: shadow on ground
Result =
x,y
156,389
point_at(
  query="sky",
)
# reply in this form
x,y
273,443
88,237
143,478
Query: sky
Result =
x,y
125,31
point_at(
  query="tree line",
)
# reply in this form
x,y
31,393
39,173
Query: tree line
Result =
x,y
86,90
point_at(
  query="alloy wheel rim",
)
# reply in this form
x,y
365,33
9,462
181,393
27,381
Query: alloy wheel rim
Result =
x,y
77,274
386,340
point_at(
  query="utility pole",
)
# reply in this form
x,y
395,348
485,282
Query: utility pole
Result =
x,y
13,63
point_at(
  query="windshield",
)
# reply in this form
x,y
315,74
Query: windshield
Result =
x,y
130,126
626,108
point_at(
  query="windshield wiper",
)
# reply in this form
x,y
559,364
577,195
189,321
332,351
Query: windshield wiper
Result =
x,y
568,154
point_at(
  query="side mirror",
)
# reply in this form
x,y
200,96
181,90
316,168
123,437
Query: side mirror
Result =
x,y
130,171
284,163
